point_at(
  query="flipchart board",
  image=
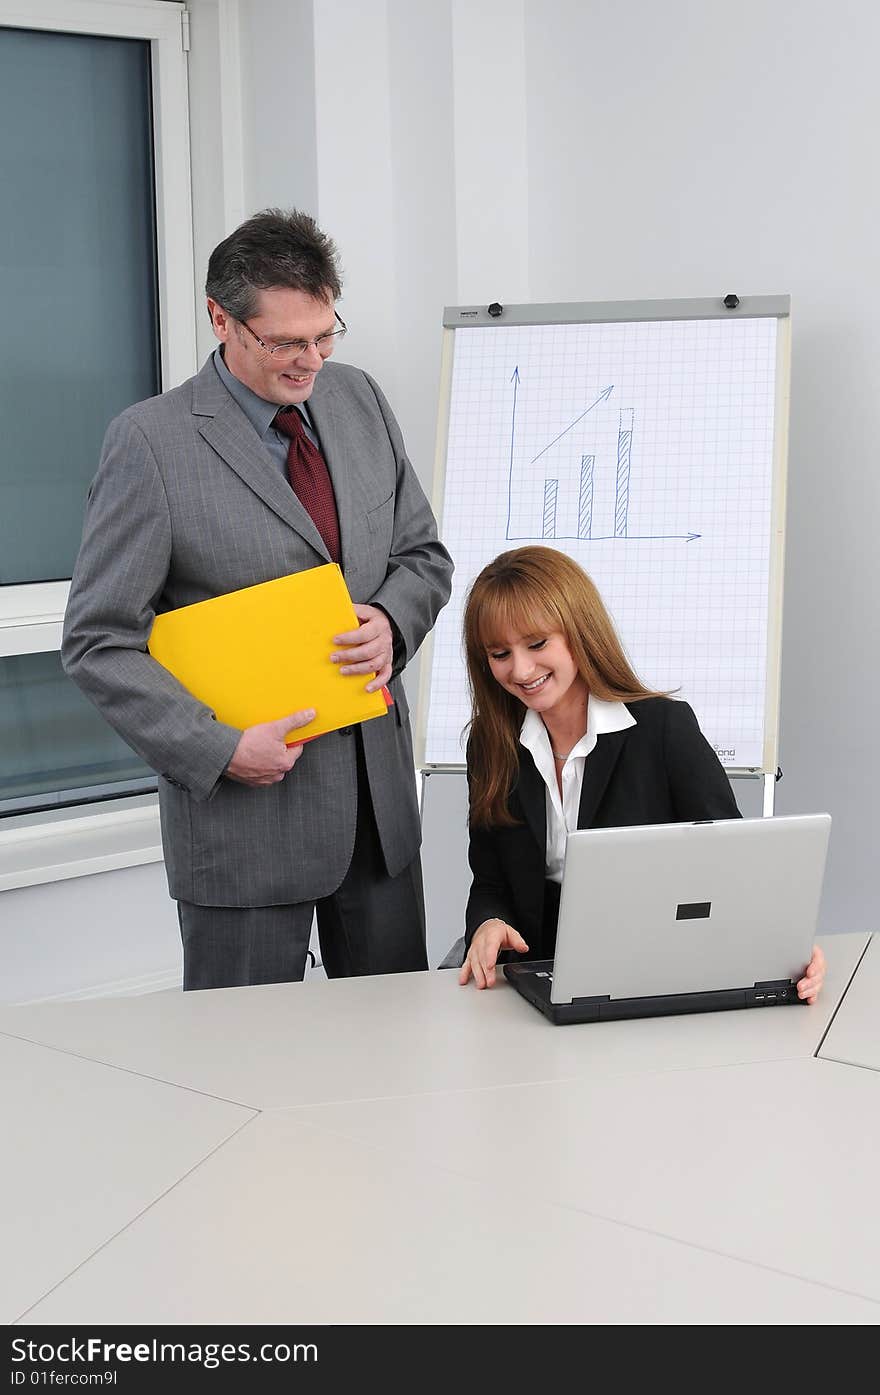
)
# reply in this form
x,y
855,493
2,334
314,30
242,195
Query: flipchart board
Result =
x,y
648,440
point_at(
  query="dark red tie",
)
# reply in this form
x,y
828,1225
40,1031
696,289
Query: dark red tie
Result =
x,y
310,478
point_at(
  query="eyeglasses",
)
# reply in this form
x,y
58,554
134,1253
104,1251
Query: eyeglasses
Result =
x,y
291,350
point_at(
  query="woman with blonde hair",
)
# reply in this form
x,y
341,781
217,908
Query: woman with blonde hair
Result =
x,y
594,748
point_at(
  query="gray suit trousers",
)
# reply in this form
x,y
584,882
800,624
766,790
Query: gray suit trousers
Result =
x,y
371,924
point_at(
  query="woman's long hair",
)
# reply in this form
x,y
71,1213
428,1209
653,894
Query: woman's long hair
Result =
x,y
530,590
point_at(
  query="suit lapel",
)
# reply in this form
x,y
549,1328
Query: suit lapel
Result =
x,y
598,769
531,791
597,772
227,430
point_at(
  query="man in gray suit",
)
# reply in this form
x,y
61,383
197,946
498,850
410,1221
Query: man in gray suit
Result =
x,y
207,489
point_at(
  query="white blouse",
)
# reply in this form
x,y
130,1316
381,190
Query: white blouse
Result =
x,y
562,813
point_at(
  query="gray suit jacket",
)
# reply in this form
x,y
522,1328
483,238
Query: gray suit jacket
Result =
x,y
188,504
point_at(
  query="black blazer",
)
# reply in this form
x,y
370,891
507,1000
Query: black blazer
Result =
x,y
662,770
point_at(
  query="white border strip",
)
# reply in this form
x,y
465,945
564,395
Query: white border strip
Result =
x,y
36,853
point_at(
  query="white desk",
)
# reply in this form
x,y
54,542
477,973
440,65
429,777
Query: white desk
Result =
x,y
854,1035
297,1044
430,1154
319,1227
86,1148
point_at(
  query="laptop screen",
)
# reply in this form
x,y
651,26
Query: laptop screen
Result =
x,y
688,908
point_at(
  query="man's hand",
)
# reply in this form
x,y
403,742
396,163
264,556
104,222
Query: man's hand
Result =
x,y
491,937
261,757
368,648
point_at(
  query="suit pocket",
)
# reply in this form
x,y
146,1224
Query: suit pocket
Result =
x,y
379,518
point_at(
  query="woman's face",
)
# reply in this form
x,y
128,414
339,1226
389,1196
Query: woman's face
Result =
x,y
538,669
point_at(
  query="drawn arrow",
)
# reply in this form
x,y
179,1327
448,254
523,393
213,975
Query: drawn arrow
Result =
x,y
603,397
614,537
514,378
643,537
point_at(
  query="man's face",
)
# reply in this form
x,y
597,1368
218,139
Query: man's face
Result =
x,y
281,316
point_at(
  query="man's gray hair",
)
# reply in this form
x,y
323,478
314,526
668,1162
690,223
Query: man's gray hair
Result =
x,y
277,248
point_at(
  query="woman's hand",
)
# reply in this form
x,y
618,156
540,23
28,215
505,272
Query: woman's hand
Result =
x,y
489,939
814,974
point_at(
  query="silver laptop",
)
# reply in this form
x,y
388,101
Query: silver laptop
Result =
x,y
681,917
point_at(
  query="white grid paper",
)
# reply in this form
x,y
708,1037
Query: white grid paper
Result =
x,y
669,474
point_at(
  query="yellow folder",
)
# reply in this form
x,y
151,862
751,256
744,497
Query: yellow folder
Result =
x,y
264,652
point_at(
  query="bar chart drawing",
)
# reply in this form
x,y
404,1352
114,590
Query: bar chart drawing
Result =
x,y
551,490
621,498
585,497
556,493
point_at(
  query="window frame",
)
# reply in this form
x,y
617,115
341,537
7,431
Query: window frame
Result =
x,y
31,614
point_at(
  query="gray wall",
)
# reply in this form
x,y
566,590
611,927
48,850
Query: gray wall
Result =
x,y
92,936
623,149
696,148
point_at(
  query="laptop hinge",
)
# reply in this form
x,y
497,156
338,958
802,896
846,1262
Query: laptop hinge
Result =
x,y
599,998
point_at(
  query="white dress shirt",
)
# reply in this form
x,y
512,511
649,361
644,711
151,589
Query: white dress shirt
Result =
x,y
562,813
